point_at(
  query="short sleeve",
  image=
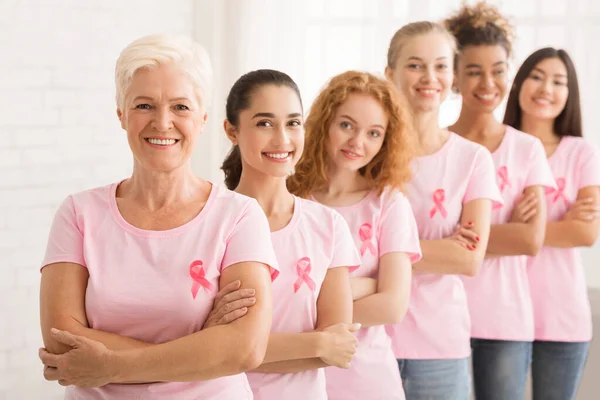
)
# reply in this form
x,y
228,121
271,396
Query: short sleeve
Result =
x,y
345,253
589,166
482,181
65,243
539,170
250,240
398,228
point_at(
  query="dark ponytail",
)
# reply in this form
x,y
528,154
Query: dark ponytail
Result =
x,y
238,100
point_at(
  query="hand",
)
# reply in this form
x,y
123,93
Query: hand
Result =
x,y
89,364
583,210
230,304
525,209
465,236
339,344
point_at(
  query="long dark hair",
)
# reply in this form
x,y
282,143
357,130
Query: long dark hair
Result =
x,y
568,122
238,100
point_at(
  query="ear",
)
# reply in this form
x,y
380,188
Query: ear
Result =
x,y
204,119
121,118
389,73
231,132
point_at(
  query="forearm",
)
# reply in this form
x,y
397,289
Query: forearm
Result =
x,y
569,233
362,287
514,239
191,358
379,309
111,340
447,257
291,366
292,346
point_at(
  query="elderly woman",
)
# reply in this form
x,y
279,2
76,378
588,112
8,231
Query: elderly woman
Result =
x,y
132,269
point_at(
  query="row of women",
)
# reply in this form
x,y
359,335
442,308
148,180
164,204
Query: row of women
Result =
x,y
362,253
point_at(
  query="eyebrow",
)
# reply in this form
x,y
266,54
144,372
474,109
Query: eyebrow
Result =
x,y
271,115
479,66
420,59
151,99
353,120
541,71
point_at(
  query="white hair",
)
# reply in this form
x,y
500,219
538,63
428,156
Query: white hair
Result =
x,y
154,50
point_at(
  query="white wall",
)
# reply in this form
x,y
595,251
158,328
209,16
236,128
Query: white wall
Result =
x,y
59,132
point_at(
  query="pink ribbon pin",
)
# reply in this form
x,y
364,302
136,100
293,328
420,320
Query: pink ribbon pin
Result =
x,y
503,176
439,196
303,268
560,191
198,275
365,232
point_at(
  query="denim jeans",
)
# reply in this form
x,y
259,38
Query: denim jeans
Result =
x,y
500,368
435,379
556,369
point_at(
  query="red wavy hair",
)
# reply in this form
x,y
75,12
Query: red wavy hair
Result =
x,y
389,168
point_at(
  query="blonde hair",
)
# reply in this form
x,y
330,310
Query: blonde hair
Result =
x,y
155,50
412,30
389,168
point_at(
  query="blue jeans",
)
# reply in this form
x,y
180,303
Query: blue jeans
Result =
x,y
500,368
556,369
435,379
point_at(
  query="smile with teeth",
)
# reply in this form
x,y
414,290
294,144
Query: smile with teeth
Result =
x,y
427,91
542,101
162,142
351,154
486,97
279,156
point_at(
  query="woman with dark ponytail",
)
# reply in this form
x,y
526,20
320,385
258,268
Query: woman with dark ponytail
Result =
x,y
544,102
312,312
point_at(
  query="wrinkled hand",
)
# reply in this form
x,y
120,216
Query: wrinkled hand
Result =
x,y
230,304
525,209
89,364
583,210
465,236
340,344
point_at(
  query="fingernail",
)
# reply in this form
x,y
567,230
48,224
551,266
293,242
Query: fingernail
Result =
x,y
252,299
470,223
237,282
243,309
251,291
54,330
477,238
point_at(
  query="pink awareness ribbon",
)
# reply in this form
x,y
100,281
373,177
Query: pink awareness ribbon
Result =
x,y
365,232
198,275
439,196
303,268
560,191
504,180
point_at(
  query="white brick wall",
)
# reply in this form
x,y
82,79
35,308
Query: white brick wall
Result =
x,y
58,134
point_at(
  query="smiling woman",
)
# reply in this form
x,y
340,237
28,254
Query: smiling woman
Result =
x,y
132,269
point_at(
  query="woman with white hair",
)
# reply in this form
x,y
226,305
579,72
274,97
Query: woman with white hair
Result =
x,y
132,269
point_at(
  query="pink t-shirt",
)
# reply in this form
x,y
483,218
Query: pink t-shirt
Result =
x,y
379,224
437,324
316,239
157,286
556,275
498,296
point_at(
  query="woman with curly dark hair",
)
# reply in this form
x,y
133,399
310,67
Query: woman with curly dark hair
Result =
x,y
498,297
